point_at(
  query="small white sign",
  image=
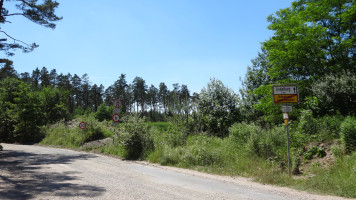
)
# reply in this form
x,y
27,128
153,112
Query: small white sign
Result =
x,y
288,89
287,109
117,110
115,123
285,116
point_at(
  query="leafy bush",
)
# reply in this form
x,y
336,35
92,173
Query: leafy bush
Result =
x,y
267,143
219,108
336,151
175,135
104,112
328,127
94,129
336,93
307,124
134,137
348,134
240,132
312,151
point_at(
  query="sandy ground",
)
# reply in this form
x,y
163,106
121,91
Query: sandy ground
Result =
x,y
34,172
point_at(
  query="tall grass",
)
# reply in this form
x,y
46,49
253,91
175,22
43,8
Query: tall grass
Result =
x,y
69,135
249,150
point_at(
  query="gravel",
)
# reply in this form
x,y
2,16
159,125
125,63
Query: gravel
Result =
x,y
35,172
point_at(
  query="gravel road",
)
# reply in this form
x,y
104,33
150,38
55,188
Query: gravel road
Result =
x,y
35,172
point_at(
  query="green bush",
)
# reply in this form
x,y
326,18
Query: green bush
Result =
x,y
94,129
312,151
267,143
134,137
175,135
240,132
328,127
348,134
336,151
307,123
104,112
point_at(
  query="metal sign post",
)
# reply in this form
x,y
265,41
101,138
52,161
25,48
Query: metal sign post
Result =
x,y
82,125
286,118
116,117
286,94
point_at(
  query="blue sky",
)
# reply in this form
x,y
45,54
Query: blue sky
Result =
x,y
172,41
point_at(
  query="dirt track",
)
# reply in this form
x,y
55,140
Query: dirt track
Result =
x,y
34,172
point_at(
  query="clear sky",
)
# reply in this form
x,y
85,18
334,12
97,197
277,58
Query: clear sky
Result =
x,y
172,41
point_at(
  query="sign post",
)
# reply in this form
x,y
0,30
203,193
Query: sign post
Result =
x,y
116,117
82,125
286,118
286,94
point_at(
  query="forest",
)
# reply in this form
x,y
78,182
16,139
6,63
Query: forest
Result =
x,y
215,130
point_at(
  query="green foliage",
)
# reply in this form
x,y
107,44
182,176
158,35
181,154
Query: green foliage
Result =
x,y
311,38
134,136
94,129
335,93
338,179
241,132
312,151
257,141
307,124
54,104
78,111
348,134
175,135
336,151
62,134
104,112
219,108
267,143
21,113
271,112
161,126
39,13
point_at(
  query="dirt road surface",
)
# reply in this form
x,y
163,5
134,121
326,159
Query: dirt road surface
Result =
x,y
34,172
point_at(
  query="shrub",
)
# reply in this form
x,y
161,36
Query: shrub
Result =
x,y
348,134
104,112
175,135
202,151
307,123
240,132
312,151
336,151
134,137
94,129
266,143
328,127
219,108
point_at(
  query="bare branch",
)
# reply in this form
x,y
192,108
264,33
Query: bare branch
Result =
x,y
14,38
13,14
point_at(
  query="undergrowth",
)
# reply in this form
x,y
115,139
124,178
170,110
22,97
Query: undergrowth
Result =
x,y
249,150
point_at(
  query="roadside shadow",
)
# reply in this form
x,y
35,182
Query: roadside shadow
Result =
x,y
24,176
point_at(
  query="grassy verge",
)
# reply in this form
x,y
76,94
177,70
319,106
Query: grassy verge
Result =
x,y
249,151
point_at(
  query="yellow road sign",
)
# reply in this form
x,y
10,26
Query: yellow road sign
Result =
x,y
285,94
